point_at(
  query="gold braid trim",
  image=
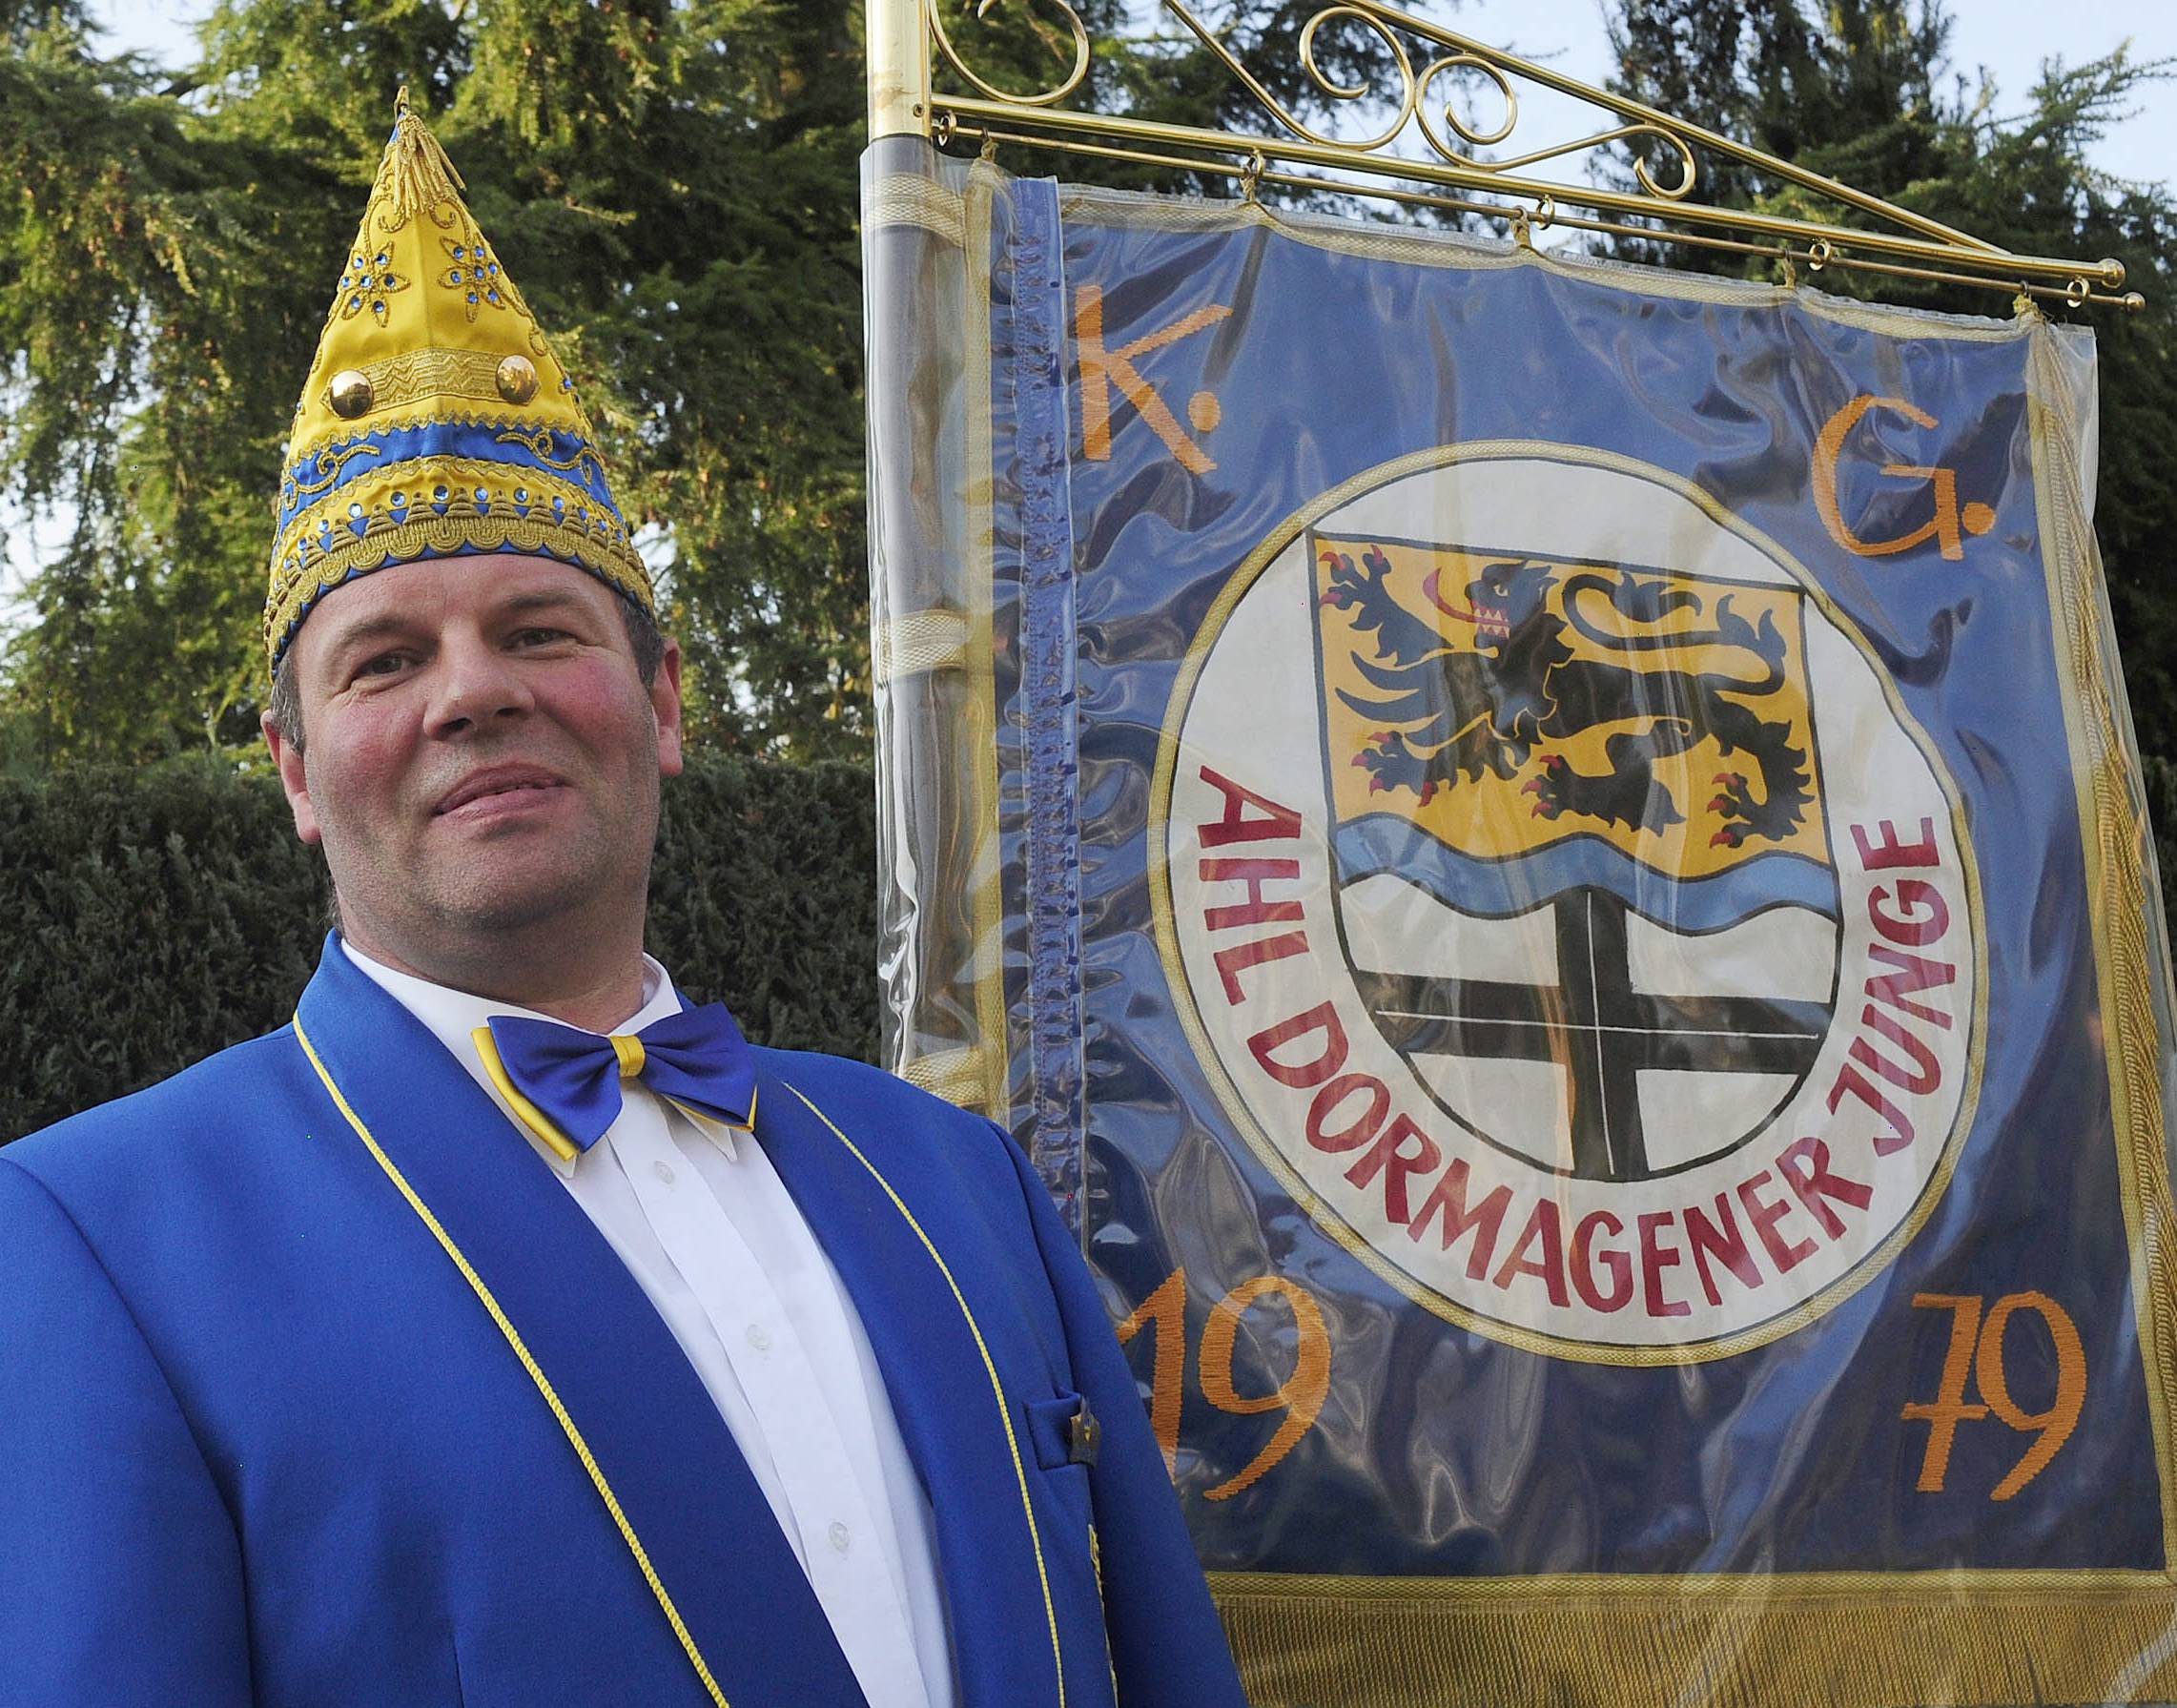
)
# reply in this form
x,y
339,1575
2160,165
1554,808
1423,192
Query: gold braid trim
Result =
x,y
918,642
338,445
904,198
420,479
331,464
433,373
957,1076
616,564
416,174
2114,828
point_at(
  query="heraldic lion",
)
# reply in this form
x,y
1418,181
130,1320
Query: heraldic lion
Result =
x,y
1526,686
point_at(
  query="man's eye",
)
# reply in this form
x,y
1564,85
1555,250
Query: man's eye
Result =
x,y
385,663
539,637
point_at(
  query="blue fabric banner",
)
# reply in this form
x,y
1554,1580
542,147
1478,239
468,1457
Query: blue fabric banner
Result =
x,y
1585,825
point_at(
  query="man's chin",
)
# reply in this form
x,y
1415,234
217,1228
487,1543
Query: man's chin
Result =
x,y
513,906
519,888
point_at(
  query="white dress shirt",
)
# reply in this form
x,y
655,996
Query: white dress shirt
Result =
x,y
711,1236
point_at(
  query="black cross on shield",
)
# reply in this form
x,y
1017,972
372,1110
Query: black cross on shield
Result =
x,y
1599,1030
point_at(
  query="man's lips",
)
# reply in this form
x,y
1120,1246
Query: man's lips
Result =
x,y
496,780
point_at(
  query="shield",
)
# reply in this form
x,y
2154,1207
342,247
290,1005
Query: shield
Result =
x,y
1582,869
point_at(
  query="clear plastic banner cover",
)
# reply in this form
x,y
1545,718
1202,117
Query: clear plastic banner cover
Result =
x,y
1549,859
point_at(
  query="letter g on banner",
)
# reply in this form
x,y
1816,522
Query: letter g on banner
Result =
x,y
1947,526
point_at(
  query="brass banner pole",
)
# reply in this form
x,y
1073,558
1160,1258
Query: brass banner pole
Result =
x,y
898,69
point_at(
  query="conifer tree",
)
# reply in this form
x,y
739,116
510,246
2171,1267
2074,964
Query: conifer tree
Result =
x,y
1865,92
673,182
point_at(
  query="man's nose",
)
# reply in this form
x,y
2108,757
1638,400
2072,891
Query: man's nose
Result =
x,y
474,684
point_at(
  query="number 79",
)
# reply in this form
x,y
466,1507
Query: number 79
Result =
x,y
1977,1349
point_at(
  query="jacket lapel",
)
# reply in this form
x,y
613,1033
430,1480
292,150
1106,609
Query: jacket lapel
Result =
x,y
887,1237
713,1550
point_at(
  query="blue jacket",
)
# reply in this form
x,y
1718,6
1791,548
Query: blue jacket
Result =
x,y
317,1389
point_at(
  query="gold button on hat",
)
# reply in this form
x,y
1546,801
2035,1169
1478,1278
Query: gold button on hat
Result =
x,y
516,379
436,422
350,393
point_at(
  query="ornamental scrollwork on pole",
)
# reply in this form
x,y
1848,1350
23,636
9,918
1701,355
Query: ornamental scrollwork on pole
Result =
x,y
1039,97
1452,161
1410,111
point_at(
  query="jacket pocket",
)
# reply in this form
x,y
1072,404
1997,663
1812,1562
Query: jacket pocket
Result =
x,y
1063,1432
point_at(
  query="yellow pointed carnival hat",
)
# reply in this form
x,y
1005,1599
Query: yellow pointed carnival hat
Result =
x,y
436,421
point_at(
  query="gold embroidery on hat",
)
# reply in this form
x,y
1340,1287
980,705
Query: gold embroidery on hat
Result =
x,y
366,285
372,485
413,374
330,464
475,274
538,442
416,176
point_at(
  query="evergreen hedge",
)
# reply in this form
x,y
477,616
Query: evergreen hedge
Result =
x,y
156,918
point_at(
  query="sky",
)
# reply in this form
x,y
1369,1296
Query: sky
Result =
x,y
2008,40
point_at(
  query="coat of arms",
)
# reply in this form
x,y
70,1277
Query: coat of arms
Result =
x,y
1623,759
1568,913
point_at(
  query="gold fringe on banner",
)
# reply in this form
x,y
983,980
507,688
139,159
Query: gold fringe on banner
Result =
x,y
2129,942
1969,1640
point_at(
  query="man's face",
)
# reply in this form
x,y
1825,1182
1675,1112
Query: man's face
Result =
x,y
479,752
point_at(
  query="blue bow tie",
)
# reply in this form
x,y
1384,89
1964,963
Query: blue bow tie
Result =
x,y
565,1082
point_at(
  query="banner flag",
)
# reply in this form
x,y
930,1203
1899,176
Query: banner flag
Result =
x,y
1549,859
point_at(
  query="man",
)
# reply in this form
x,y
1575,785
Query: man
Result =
x,y
504,1329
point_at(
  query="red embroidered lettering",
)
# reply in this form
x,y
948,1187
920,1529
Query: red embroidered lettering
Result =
x,y
1765,1216
1804,1165
1887,850
1450,1196
1721,1239
1543,1227
1390,1158
1272,824
1615,1264
1301,1075
1255,909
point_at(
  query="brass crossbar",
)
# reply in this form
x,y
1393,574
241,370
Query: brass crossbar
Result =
x,y
910,46
1814,257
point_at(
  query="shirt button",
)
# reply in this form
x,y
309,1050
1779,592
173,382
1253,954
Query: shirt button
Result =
x,y
840,1536
758,1338
664,1171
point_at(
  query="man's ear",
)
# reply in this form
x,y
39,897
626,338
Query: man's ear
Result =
x,y
665,702
287,760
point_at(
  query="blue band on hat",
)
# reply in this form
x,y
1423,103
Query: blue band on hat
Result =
x,y
568,456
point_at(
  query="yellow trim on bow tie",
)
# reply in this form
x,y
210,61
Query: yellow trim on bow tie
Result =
x,y
630,1049
524,1111
720,1131
705,1119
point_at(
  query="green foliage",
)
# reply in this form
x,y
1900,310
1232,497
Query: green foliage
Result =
x,y
673,185
156,918
764,896
673,182
1862,90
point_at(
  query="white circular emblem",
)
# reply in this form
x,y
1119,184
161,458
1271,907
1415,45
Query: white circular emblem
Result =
x,y
1569,911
